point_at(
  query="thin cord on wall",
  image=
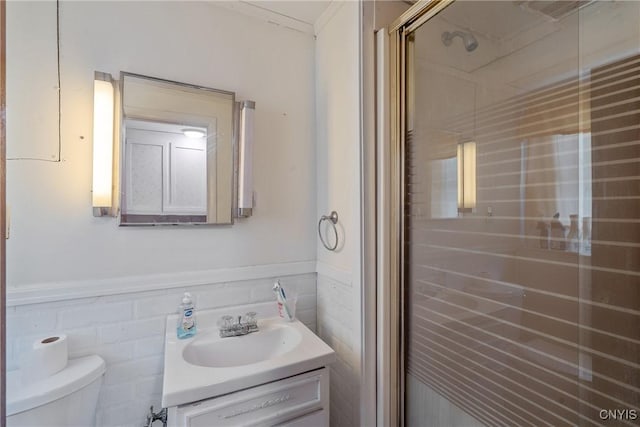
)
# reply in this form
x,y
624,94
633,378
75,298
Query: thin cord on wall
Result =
x,y
59,80
59,88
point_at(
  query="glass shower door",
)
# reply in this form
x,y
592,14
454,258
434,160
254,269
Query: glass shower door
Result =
x,y
521,215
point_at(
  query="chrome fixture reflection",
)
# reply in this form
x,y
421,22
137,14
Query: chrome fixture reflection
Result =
x,y
470,42
245,325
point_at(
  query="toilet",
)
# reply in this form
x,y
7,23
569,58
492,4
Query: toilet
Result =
x,y
67,398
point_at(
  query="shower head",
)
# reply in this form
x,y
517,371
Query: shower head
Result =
x,y
470,42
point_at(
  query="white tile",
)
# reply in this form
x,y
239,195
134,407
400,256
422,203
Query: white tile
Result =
x,y
92,314
35,322
133,370
116,352
263,293
336,320
298,285
157,306
116,394
306,316
119,415
306,302
149,386
225,297
126,331
149,346
81,339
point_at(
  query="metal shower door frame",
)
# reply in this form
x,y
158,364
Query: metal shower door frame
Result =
x,y
390,211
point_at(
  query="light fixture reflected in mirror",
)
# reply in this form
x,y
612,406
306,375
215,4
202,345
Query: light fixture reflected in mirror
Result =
x,y
466,176
193,133
103,114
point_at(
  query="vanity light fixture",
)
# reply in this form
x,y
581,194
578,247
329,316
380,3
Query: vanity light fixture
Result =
x,y
193,133
245,159
466,176
103,123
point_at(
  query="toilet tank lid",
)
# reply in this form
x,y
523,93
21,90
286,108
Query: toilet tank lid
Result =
x,y
78,374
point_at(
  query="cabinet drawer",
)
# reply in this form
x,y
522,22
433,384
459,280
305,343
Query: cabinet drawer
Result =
x,y
264,405
316,419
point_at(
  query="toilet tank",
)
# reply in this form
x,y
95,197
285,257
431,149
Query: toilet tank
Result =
x,y
68,398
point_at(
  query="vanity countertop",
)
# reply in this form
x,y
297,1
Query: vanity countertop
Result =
x,y
279,350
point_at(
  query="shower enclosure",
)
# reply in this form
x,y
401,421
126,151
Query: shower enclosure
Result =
x,y
516,151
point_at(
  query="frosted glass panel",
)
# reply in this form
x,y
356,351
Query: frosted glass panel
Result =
x,y
523,309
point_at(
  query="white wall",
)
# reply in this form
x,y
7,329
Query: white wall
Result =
x,y
54,238
338,155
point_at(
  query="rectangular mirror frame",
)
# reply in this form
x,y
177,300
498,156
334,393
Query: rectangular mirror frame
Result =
x,y
121,153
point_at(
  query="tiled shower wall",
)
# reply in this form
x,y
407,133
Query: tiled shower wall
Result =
x,y
127,331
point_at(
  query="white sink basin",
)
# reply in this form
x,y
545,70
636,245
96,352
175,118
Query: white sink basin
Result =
x,y
207,366
273,339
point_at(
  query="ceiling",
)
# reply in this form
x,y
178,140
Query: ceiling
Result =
x,y
494,19
307,11
297,15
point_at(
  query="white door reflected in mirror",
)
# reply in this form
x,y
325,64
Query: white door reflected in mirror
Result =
x,y
166,172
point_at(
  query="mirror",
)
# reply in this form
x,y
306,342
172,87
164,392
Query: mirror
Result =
x,y
177,153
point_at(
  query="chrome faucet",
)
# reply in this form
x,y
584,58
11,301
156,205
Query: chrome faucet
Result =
x,y
245,325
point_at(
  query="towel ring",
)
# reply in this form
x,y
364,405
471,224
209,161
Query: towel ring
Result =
x,y
333,219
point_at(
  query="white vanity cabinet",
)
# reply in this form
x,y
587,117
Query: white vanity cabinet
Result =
x,y
276,376
298,401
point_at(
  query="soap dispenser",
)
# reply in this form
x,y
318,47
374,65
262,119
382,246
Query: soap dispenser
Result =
x,y
187,319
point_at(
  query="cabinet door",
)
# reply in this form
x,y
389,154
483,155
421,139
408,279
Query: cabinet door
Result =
x,y
147,161
187,177
266,405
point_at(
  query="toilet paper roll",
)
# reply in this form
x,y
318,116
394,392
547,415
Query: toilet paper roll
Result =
x,y
47,357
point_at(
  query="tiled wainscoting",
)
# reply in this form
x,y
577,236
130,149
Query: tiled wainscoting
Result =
x,y
127,330
338,326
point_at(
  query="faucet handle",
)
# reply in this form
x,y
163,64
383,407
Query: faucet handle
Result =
x,y
226,321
